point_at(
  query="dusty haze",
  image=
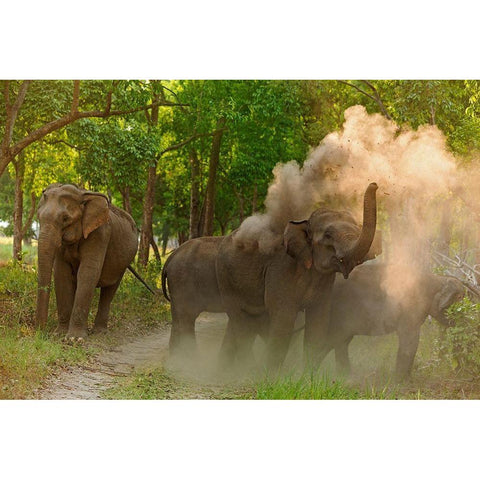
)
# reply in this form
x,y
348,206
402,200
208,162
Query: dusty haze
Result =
x,y
415,173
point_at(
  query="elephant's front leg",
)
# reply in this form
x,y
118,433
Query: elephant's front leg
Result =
x,y
64,292
282,323
87,279
408,338
317,319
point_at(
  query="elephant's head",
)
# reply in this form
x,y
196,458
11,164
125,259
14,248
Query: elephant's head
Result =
x,y
451,291
331,241
67,214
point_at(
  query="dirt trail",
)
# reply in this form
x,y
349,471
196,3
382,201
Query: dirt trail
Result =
x,y
89,381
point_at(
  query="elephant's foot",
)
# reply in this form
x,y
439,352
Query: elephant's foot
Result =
x,y
62,329
99,329
76,336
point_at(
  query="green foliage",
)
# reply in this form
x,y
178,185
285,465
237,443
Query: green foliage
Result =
x,y
460,345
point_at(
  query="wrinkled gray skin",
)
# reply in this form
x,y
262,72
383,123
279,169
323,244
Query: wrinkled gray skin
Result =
x,y
264,292
192,288
88,243
361,307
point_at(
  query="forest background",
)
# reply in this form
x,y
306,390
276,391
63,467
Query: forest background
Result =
x,y
194,157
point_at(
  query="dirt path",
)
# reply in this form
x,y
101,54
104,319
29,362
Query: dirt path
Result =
x,y
89,381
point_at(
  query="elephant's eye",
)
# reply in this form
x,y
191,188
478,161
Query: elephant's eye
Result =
x,y
328,236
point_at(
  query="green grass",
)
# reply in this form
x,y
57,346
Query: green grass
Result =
x,y
6,251
28,356
315,387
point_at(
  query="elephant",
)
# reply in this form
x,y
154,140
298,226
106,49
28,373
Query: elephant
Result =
x,y
361,307
263,292
88,243
192,285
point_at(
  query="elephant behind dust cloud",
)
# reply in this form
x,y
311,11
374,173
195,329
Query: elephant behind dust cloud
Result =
x,y
415,172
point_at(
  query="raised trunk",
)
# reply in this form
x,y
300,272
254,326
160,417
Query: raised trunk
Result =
x,y
357,254
47,246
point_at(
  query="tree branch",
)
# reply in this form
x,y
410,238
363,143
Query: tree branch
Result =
x,y
12,113
72,117
375,97
190,139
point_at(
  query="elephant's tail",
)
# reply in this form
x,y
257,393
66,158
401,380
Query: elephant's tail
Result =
x,y
141,279
164,278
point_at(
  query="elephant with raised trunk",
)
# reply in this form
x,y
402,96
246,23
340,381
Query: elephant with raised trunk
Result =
x,y
88,243
215,274
363,306
265,292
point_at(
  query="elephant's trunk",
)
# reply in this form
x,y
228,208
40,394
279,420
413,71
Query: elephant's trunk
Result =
x,y
358,252
48,243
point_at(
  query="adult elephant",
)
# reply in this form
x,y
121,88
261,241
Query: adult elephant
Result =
x,y
362,306
264,292
88,243
192,289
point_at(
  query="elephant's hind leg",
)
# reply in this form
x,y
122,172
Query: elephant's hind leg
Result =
x,y
106,297
342,359
182,335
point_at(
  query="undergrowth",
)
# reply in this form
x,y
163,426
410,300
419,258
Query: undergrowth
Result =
x,y
28,355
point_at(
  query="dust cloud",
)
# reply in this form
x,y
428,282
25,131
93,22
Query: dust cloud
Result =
x,y
415,173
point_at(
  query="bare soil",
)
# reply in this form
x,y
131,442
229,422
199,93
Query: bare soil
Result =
x,y
88,382
373,360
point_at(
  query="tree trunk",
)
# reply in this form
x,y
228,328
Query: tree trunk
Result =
x,y
18,209
212,176
127,206
146,236
165,235
182,237
194,195
155,251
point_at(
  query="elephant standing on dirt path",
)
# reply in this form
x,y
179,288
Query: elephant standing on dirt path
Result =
x,y
192,289
265,292
262,293
88,243
360,306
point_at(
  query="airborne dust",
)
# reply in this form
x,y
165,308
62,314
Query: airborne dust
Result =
x,y
420,186
416,174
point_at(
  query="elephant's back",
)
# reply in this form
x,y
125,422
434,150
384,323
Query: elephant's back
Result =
x,y
191,275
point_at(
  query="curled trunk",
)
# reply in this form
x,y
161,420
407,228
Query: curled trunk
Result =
x,y
48,243
357,254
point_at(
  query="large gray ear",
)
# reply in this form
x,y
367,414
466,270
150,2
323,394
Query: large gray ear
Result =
x,y
95,213
297,243
376,247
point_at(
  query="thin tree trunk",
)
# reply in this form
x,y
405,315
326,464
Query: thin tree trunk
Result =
x,y
146,236
155,250
212,177
18,209
127,206
194,195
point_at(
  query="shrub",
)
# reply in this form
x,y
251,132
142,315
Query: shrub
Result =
x,y
460,345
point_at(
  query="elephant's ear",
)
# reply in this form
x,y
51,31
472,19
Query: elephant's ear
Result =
x,y
297,243
376,247
95,213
